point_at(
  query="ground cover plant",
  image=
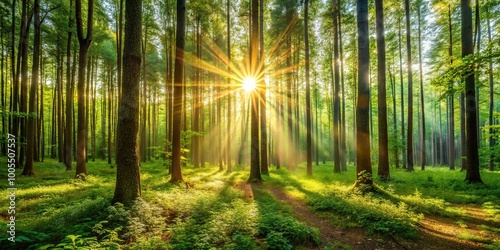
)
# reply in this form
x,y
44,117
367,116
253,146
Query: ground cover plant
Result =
x,y
289,210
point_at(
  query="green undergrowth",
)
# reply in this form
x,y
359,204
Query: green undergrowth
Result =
x,y
56,211
396,205
210,211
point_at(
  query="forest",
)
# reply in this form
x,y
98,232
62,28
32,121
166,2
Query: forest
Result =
x,y
250,124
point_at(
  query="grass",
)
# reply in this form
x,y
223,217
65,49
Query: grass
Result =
x,y
54,210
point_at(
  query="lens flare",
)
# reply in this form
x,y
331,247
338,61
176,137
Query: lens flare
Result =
x,y
249,84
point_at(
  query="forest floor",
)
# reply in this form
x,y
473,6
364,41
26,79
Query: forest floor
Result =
x,y
431,209
435,231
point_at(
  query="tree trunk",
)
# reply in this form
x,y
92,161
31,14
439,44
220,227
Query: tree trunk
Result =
x,y
23,59
32,118
336,87
263,104
128,184
308,91
491,101
422,103
254,123
68,130
409,144
472,174
176,175
400,45
383,157
451,116
363,163
229,115
343,147
81,154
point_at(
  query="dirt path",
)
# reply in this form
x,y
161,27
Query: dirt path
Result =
x,y
331,237
436,232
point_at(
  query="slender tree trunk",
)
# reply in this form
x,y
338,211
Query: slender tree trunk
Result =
x,y
422,103
343,147
409,145
472,174
336,87
229,115
176,175
31,129
264,165
451,116
110,107
68,130
383,157
128,183
255,174
363,163
491,101
81,154
400,45
23,59
308,91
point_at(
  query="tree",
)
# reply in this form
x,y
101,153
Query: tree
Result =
x,y
336,88
472,174
128,183
409,144
68,131
308,90
263,89
176,174
31,129
228,142
383,156
363,163
422,104
254,130
491,100
81,140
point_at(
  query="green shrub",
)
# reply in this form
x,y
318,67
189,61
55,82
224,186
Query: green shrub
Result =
x,y
277,241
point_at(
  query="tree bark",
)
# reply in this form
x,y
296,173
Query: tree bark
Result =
x,y
255,175
263,102
383,156
176,175
128,184
363,163
32,116
308,91
472,174
81,154
409,144
336,88
422,103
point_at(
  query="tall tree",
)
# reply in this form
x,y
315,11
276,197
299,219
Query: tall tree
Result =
x,y
81,140
176,174
409,144
228,142
68,130
383,156
128,183
263,103
308,91
472,174
422,104
451,116
31,129
491,103
363,163
336,91
254,123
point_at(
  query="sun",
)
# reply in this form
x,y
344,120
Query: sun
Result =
x,y
249,84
